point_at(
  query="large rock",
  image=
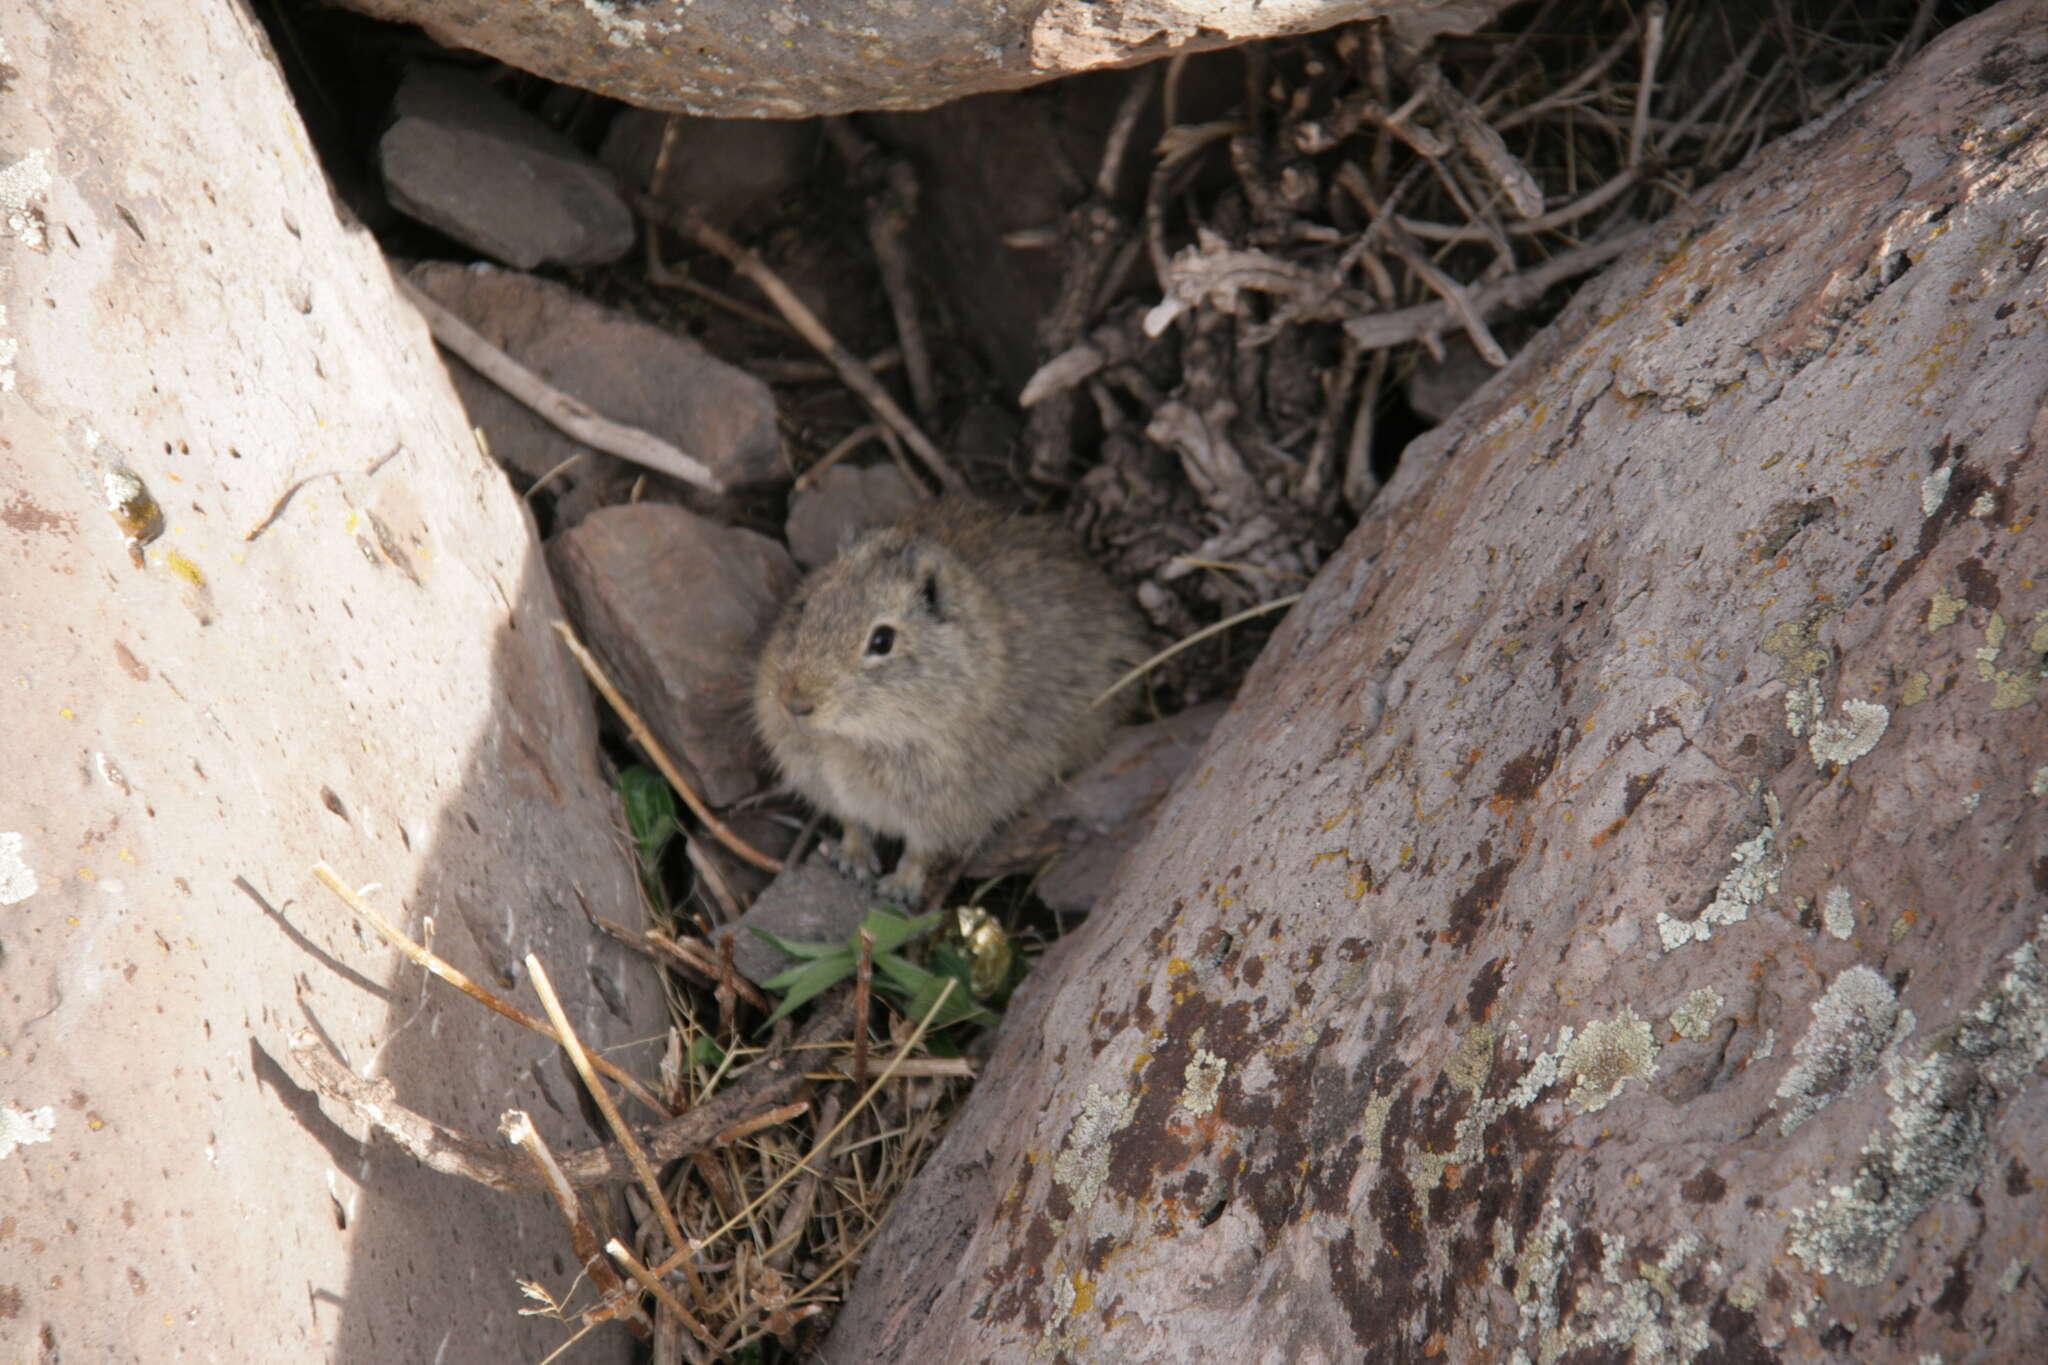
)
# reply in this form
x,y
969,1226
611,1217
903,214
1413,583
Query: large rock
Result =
x,y
334,647
745,58
677,606
1610,923
462,159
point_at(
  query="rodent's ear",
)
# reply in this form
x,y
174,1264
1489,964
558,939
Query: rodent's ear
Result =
x,y
928,592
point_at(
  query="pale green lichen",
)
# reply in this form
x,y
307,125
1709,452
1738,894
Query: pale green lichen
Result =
x,y
1753,877
1695,1018
1796,645
1838,912
1942,1108
1846,740
1373,1124
1855,1022
1640,1312
1082,1165
1470,1065
1803,708
2039,786
2015,1271
1943,609
1934,490
1915,690
1201,1081
1609,1054
1984,506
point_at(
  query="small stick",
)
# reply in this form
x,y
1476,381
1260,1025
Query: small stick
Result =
x,y
569,415
646,1280
890,188
634,1154
1120,129
1653,48
517,1128
1375,330
1360,483
1204,633
455,977
855,375
652,747
863,979
847,444
748,1127
284,500
728,988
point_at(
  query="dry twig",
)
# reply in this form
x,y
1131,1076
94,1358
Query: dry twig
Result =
x,y
570,415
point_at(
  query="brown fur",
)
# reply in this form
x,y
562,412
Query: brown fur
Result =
x,y
1004,635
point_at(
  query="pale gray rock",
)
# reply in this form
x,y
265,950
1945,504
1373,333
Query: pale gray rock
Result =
x,y
845,501
675,605
464,160
742,58
334,647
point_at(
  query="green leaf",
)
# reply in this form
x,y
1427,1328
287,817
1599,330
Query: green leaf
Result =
x,y
795,949
650,812
706,1053
893,929
801,983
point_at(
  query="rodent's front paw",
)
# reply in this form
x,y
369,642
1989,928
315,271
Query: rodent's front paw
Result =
x,y
856,856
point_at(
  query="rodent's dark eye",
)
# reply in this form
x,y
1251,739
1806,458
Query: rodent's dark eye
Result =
x,y
881,642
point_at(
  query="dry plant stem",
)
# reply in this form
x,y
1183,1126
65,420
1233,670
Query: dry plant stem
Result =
x,y
1360,483
569,415
824,1144
652,748
728,983
641,1167
455,977
659,273
713,879
1561,96
856,375
771,1119
801,1201
890,189
375,1102
768,1084
517,1128
283,501
849,443
1277,604
641,1276
1375,330
678,952
1653,48
1126,122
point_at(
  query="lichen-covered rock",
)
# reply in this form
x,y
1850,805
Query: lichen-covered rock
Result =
x,y
1609,925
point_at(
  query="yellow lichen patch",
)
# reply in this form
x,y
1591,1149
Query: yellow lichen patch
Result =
x,y
1915,690
1943,608
184,568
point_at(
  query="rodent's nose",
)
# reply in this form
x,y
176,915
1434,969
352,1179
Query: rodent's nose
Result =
x,y
797,704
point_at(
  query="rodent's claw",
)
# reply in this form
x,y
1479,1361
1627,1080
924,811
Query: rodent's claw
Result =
x,y
856,856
